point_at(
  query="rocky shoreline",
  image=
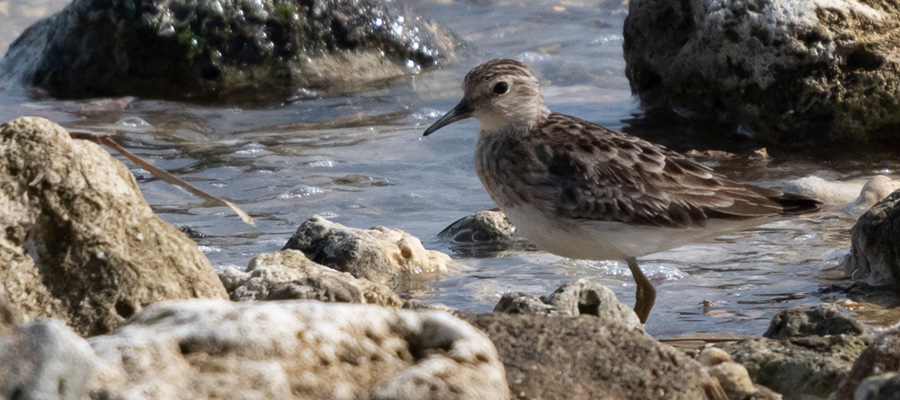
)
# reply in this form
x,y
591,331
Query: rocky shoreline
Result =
x,y
101,299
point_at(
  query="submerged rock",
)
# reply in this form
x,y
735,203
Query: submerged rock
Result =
x,y
80,242
875,250
222,50
589,358
288,274
808,351
881,357
582,297
379,254
788,71
295,350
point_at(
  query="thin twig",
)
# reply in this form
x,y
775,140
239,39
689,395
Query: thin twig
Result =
x,y
160,173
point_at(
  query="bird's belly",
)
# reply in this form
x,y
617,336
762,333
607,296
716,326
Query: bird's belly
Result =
x,y
608,240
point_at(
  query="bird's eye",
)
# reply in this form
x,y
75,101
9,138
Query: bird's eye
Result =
x,y
501,88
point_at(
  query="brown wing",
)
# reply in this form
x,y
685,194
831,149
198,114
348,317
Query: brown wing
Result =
x,y
598,174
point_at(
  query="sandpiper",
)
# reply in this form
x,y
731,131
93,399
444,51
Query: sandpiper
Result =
x,y
579,190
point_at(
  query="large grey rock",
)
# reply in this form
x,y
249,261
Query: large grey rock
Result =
x,y
788,71
288,274
80,242
881,357
295,350
582,297
45,360
875,250
379,254
222,50
588,358
808,351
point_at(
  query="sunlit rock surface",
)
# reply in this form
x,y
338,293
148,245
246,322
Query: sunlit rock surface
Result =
x,y
288,274
295,350
379,254
228,51
80,242
582,297
788,71
733,377
875,251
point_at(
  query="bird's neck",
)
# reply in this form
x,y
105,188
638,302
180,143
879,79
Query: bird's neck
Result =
x,y
513,124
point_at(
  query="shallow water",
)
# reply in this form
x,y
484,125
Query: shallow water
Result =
x,y
360,160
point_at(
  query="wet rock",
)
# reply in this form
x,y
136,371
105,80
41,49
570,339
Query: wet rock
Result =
x,y
288,274
812,321
296,349
45,360
215,50
875,251
588,358
814,353
881,357
379,254
875,189
523,303
880,387
485,233
81,243
790,72
582,297
833,194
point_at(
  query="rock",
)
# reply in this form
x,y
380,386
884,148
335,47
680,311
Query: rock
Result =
x,y
879,387
222,50
833,194
582,297
295,350
789,72
523,303
81,243
9,316
379,254
484,234
591,298
812,321
881,357
875,251
45,360
733,377
807,351
588,358
289,275
874,191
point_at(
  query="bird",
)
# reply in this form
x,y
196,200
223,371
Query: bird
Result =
x,y
582,191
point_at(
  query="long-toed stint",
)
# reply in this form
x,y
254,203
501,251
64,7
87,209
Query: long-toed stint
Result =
x,y
579,190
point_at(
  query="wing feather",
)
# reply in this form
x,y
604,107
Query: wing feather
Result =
x,y
589,172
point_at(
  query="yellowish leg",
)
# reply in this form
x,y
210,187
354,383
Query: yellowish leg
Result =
x,y
645,295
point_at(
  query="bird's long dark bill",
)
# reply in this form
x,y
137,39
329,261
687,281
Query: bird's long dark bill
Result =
x,y
462,111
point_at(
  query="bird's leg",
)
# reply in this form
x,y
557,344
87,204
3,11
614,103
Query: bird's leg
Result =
x,y
645,295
